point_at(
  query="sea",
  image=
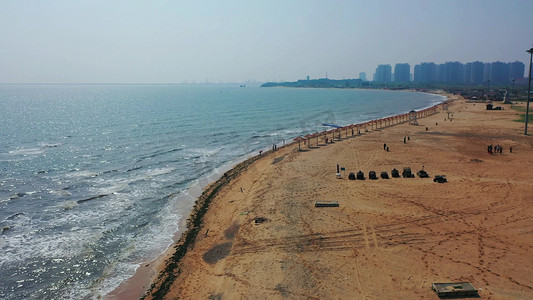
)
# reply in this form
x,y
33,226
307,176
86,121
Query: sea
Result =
x,y
95,179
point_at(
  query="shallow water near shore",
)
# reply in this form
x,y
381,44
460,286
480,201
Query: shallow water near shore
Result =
x,y
92,175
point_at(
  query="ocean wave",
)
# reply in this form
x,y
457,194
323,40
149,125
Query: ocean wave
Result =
x,y
159,171
81,173
159,153
26,151
49,145
196,153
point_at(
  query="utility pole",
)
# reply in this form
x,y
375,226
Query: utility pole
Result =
x,y
530,51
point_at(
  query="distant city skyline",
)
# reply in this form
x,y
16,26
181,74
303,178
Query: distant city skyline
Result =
x,y
453,72
62,41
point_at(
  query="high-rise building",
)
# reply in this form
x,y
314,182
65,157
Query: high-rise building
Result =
x,y
416,73
499,72
401,72
441,69
453,72
468,73
362,76
426,72
383,73
486,72
476,72
517,70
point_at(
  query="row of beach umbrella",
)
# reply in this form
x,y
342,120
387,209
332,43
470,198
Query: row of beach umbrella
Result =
x,y
387,121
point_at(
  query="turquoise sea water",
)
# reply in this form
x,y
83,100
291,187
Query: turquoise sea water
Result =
x,y
94,178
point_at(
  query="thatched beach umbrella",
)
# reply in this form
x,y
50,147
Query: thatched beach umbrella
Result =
x,y
298,139
308,137
332,134
351,127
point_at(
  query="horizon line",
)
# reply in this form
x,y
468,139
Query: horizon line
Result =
x,y
126,83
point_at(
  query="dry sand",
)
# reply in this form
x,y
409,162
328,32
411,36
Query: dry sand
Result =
x,y
389,239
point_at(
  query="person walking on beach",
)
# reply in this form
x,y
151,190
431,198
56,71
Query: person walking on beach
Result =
x,y
511,149
384,146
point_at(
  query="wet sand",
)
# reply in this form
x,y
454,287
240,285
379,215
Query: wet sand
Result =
x,y
388,239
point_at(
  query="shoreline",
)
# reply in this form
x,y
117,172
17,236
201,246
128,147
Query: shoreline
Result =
x,y
137,285
177,251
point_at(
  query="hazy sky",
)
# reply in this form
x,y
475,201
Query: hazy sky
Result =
x,y
159,41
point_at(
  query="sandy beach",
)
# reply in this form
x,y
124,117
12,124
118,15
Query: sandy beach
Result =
x,y
261,236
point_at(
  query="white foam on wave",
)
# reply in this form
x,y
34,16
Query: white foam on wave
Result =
x,y
26,151
159,171
203,152
147,245
29,239
81,173
21,154
62,193
49,145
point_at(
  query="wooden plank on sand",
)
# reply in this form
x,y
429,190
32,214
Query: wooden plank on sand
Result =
x,y
326,204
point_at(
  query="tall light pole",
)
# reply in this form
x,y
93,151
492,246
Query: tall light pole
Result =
x,y
530,51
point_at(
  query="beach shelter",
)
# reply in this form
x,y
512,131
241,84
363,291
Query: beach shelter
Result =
x,y
352,126
308,138
316,134
332,131
298,139
327,132
413,117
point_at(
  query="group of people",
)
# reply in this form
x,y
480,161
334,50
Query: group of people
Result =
x,y
497,149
